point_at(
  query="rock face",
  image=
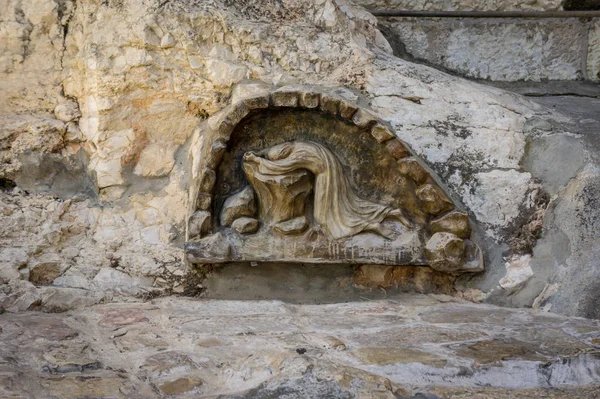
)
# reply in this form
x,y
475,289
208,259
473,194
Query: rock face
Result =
x,y
101,100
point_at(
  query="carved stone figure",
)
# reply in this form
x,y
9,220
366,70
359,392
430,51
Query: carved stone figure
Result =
x,y
336,208
295,203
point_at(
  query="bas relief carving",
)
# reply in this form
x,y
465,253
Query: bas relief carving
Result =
x,y
282,188
337,209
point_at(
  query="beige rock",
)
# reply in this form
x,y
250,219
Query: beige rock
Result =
x,y
156,160
200,223
224,73
397,149
445,252
518,272
204,201
292,226
180,385
44,270
382,356
382,133
238,205
433,199
11,260
454,222
412,168
245,225
67,111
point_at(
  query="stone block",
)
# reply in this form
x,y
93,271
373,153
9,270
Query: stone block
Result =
x,y
258,102
397,149
445,252
310,99
347,109
412,168
284,99
433,200
329,104
454,222
381,133
363,118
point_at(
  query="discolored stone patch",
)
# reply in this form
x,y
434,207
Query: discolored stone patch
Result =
x,y
381,356
496,350
49,329
180,385
85,387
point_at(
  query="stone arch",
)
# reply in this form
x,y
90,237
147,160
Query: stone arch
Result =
x,y
447,227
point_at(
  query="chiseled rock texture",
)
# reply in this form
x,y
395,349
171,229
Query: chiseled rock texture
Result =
x,y
99,99
415,346
501,49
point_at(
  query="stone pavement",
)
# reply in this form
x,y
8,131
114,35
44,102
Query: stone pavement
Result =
x,y
414,346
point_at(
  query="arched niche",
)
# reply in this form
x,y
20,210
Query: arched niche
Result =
x,y
237,215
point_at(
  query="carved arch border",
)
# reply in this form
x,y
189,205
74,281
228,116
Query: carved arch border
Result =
x,y
211,138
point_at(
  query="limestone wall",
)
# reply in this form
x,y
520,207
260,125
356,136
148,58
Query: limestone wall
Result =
x,y
495,49
100,98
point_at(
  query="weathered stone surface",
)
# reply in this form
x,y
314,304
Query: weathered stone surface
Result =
x,y
412,168
167,363
200,223
459,5
455,222
180,385
144,76
44,271
213,246
238,205
207,183
204,201
347,109
382,356
284,99
281,196
245,225
445,252
397,149
382,133
329,104
111,280
155,160
310,99
67,111
504,50
433,199
421,343
543,153
292,226
593,55
118,317
11,261
518,272
363,118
